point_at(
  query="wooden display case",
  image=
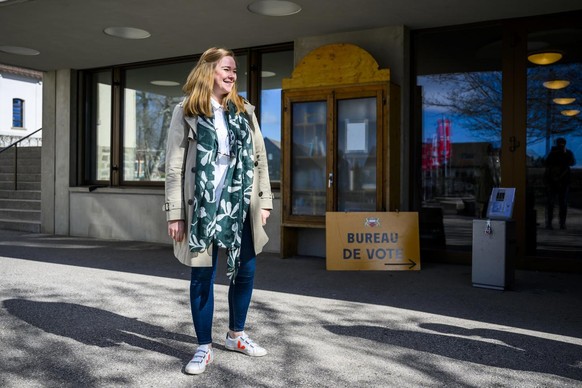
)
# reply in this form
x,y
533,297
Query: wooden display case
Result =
x,y
339,151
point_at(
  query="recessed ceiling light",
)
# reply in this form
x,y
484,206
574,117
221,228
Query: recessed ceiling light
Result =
x,y
267,74
18,50
127,32
545,58
4,3
556,84
274,7
570,112
165,83
564,100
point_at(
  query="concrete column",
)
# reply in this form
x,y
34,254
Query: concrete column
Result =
x,y
47,217
55,154
62,151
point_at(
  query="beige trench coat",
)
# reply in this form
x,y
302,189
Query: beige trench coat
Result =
x,y
180,160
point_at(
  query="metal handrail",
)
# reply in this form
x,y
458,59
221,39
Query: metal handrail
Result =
x,y
19,140
15,145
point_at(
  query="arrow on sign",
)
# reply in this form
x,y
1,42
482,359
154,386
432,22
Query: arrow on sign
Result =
x,y
411,263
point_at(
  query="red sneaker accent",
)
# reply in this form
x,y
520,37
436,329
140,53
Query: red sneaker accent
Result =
x,y
240,346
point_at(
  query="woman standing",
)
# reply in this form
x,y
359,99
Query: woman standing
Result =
x,y
218,194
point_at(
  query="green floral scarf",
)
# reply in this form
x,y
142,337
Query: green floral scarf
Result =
x,y
220,220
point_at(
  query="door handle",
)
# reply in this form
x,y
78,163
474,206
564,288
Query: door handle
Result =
x,y
330,180
513,144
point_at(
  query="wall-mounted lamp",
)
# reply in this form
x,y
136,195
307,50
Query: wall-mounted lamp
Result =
x,y
570,112
556,84
545,58
564,100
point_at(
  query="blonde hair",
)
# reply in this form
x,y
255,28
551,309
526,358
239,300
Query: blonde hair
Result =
x,y
200,81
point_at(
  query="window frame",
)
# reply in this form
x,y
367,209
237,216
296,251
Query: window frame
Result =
x,y
85,174
18,108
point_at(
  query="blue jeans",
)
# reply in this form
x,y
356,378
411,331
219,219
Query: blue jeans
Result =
x,y
239,292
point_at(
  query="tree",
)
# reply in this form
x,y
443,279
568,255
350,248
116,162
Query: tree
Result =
x,y
476,98
153,115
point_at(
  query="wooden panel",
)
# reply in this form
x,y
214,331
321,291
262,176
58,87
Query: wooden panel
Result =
x,y
336,64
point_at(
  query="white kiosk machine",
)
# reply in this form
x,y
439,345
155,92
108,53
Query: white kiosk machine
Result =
x,y
494,243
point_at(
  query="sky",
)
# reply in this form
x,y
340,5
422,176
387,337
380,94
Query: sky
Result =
x,y
461,131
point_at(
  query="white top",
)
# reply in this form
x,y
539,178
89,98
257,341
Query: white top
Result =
x,y
223,157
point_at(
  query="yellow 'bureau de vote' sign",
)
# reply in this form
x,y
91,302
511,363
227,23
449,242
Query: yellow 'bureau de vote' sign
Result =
x,y
380,241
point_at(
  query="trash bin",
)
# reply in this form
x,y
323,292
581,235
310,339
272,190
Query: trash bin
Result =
x,y
494,251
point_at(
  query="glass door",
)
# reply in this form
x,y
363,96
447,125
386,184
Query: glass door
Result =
x,y
305,156
308,158
554,142
356,169
459,92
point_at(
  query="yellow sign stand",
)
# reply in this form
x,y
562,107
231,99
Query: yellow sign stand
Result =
x,y
379,241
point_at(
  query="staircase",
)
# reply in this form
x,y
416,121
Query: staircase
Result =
x,y
20,206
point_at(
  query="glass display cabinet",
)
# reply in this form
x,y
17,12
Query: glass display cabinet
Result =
x,y
339,153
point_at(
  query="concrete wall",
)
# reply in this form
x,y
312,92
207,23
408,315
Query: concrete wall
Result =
x,y
134,214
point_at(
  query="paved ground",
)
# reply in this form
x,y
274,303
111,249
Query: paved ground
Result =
x,y
92,313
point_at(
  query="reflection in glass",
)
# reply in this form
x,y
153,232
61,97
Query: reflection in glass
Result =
x,y
148,110
241,75
308,161
356,154
461,147
275,66
554,152
101,120
460,91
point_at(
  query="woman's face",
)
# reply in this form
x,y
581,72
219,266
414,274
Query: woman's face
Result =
x,y
224,78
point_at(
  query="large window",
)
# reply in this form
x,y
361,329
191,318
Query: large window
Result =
x,y
275,67
554,142
149,97
458,75
490,115
98,143
129,109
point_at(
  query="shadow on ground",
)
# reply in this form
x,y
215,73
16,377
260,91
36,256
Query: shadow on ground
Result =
x,y
487,347
541,301
93,326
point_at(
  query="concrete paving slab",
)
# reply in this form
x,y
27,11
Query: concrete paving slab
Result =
x,y
92,313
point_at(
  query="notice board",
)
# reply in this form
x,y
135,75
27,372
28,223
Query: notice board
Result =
x,y
379,241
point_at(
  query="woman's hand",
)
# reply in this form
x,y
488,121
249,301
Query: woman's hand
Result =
x,y
176,230
265,213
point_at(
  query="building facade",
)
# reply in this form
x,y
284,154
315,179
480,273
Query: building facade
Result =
x,y
474,114
20,105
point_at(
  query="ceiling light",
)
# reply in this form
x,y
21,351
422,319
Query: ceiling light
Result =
x,y
570,112
267,74
564,100
127,32
274,8
4,3
556,84
18,50
545,58
165,83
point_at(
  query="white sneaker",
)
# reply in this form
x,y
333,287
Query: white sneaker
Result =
x,y
197,364
244,345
